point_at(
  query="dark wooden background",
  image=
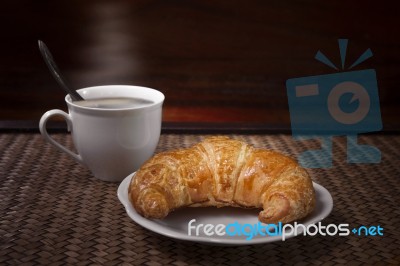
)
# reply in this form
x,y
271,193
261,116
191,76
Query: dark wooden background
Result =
x,y
216,61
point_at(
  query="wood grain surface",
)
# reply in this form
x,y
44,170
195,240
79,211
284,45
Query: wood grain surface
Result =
x,y
216,61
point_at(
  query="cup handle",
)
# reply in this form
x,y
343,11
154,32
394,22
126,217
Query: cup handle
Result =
x,y
43,131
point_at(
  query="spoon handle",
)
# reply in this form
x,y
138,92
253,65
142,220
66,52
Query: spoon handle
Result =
x,y
48,58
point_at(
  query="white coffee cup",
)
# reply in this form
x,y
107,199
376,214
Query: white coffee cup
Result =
x,y
112,143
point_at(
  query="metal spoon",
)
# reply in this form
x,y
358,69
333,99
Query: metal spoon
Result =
x,y
48,58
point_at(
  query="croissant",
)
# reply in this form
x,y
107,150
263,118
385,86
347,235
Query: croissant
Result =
x,y
223,172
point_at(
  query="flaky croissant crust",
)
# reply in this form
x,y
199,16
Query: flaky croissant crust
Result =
x,y
220,171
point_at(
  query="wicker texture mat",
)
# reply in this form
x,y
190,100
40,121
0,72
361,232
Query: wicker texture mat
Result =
x,y
52,211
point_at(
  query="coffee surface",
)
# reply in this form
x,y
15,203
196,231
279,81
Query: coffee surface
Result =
x,y
114,102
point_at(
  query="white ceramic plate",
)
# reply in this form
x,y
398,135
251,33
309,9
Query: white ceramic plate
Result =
x,y
175,225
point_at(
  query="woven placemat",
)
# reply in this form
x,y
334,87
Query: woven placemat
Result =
x,y
52,211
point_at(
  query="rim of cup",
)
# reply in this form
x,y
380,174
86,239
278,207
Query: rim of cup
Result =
x,y
153,95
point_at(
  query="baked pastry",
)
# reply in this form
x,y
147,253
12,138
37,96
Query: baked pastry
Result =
x,y
223,172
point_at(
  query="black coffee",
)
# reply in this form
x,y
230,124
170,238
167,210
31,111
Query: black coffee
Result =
x,y
114,103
